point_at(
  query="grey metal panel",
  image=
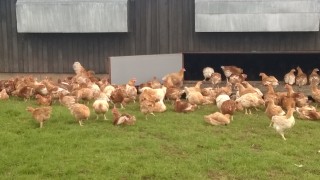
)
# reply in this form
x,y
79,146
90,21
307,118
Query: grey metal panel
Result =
x,y
253,7
143,68
256,15
256,22
69,16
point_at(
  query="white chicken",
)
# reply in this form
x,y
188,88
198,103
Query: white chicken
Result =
x,y
101,105
290,78
250,100
282,123
207,72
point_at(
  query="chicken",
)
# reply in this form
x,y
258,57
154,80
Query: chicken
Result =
x,y
24,92
273,110
250,100
183,106
174,93
249,86
229,107
66,100
315,92
154,84
290,77
101,105
229,70
282,123
197,87
125,119
4,95
131,90
207,72
119,95
148,99
85,94
221,98
195,97
215,79
217,118
40,114
237,78
301,78
308,112
242,90
225,90
44,100
80,112
175,78
314,77
268,80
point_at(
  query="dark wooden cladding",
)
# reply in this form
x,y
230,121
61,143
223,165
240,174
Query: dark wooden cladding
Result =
x,y
155,27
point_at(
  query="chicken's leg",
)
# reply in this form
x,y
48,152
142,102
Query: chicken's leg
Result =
x,y
80,122
282,135
41,124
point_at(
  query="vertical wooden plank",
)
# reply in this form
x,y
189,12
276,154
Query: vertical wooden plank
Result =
x,y
9,38
5,37
179,19
90,48
163,26
14,38
148,26
30,55
138,27
2,15
154,27
45,58
143,27
132,27
40,54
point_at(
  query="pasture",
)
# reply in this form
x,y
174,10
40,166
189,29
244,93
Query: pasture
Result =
x,y
168,146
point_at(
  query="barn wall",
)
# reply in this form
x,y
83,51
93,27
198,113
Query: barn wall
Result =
x,y
155,27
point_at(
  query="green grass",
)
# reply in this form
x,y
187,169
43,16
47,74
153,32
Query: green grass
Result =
x,y
167,146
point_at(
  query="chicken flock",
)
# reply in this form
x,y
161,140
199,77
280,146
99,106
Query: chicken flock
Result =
x,y
77,93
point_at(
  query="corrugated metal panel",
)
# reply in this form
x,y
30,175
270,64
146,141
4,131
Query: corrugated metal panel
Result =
x,y
66,16
256,15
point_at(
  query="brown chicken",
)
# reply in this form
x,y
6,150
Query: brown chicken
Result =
x,y
314,77
66,100
81,112
308,113
230,107
43,100
131,90
315,92
125,119
301,78
229,70
84,94
40,114
273,110
282,123
290,77
174,93
215,79
175,78
242,90
4,95
237,78
24,92
183,106
268,80
119,96
217,118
